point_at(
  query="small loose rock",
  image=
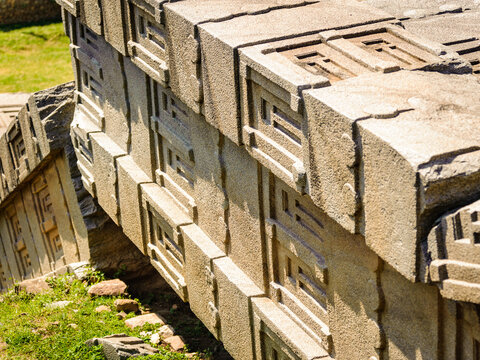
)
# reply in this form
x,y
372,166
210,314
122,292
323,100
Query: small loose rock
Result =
x,y
166,331
34,286
176,342
122,315
102,308
144,319
126,305
108,288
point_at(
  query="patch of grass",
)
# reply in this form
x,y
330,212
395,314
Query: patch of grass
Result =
x,y
32,330
33,57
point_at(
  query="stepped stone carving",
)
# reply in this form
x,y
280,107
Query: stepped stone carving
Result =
x,y
306,174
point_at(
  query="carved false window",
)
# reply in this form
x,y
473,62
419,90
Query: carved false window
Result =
x,y
89,74
47,217
18,242
17,149
174,156
469,49
165,244
300,278
147,45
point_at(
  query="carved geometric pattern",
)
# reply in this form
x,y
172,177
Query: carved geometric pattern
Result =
x,y
174,156
300,277
322,59
337,59
469,49
47,217
18,242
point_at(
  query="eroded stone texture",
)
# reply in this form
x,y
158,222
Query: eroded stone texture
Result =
x,y
122,347
305,174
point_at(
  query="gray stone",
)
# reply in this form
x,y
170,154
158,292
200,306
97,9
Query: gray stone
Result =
x,y
121,347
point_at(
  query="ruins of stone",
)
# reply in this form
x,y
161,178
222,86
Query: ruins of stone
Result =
x,y
306,174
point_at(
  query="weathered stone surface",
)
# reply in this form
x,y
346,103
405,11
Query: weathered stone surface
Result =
x,y
122,347
407,157
224,38
126,305
176,342
34,286
166,331
304,173
10,105
114,287
144,319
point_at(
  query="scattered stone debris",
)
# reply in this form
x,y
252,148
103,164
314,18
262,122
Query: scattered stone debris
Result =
x,y
144,319
121,346
126,305
102,308
114,287
34,286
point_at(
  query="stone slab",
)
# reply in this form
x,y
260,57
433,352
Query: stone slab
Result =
x,y
235,291
220,42
404,147
130,176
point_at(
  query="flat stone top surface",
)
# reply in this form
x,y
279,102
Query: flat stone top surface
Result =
x,y
418,8
422,115
13,98
199,11
10,105
278,24
446,28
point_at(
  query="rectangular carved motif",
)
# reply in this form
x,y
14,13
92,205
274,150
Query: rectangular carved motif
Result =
x,y
147,45
174,156
47,219
300,277
21,252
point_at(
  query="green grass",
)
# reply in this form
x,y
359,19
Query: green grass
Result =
x,y
33,331
33,57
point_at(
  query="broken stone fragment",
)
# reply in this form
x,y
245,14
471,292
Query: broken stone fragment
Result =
x,y
176,342
144,319
114,287
34,286
126,305
166,331
121,346
102,308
